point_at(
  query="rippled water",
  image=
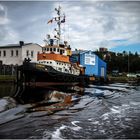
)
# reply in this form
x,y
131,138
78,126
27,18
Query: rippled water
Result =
x,y
113,114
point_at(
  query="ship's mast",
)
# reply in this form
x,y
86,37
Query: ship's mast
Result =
x,y
59,21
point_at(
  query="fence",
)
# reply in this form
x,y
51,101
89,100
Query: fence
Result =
x,y
8,69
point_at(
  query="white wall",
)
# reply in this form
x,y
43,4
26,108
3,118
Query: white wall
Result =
x,y
35,48
8,59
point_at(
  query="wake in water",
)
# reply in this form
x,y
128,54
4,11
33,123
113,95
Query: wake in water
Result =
x,y
57,133
102,112
115,116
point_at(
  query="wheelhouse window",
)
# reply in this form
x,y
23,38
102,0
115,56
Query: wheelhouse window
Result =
x,y
57,50
47,49
16,53
61,51
4,53
43,49
54,49
0,53
51,49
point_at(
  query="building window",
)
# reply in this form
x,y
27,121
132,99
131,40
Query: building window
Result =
x,y
57,50
32,53
12,53
0,53
47,49
51,49
4,53
16,53
27,53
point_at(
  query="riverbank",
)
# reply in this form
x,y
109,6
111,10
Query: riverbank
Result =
x,y
112,79
123,79
7,78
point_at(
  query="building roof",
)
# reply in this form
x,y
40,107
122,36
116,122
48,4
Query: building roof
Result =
x,y
82,51
14,45
19,45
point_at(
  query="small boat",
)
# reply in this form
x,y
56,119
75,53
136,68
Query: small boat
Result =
x,y
53,66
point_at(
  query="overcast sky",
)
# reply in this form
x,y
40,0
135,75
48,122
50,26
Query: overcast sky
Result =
x,y
89,24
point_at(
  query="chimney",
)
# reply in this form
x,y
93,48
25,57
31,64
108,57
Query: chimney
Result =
x,y
21,43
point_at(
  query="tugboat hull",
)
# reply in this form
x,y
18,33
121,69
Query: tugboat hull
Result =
x,y
31,75
34,77
33,72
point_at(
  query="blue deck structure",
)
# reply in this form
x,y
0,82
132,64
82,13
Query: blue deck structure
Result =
x,y
93,64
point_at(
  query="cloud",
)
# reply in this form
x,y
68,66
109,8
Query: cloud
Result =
x,y
89,24
7,34
3,15
99,24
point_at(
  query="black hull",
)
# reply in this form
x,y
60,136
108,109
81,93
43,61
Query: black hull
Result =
x,y
33,79
33,72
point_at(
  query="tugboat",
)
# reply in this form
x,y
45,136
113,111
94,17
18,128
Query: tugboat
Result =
x,y
53,66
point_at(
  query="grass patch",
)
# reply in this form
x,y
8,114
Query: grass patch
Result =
x,y
118,79
5,78
121,79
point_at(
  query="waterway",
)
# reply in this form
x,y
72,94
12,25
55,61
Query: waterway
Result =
x,y
104,112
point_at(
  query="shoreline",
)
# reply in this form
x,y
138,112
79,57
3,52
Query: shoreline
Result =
x,y
111,79
122,79
7,78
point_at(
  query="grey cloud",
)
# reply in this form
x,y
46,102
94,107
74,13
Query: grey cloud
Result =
x,y
92,24
2,13
2,33
3,22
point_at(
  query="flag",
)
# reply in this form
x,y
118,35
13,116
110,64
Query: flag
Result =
x,y
56,37
50,21
55,18
62,21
